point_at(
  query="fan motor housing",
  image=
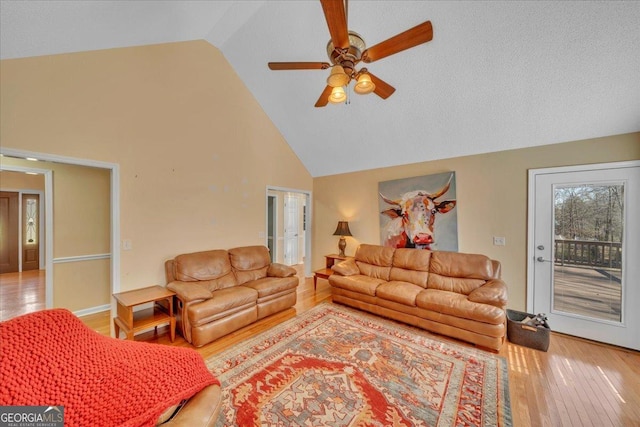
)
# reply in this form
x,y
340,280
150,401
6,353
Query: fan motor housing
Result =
x,y
349,58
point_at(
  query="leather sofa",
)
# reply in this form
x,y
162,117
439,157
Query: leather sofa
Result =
x,y
449,293
220,291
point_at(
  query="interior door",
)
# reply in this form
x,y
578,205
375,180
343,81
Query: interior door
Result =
x,y
30,232
291,229
584,250
9,232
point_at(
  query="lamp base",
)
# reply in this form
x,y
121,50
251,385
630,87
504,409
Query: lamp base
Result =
x,y
342,244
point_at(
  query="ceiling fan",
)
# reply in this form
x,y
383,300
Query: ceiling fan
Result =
x,y
346,49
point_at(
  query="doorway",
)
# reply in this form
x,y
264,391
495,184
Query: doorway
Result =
x,y
288,229
582,250
14,160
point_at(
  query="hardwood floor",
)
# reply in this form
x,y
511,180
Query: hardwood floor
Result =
x,y
576,383
21,293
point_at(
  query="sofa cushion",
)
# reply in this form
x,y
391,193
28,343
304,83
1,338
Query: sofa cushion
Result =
x,y
401,292
458,272
222,303
458,305
374,261
411,265
454,284
356,283
205,265
455,264
250,262
272,285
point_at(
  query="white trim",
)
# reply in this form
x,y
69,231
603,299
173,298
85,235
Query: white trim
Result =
x,y
62,260
92,310
307,233
531,196
274,237
48,184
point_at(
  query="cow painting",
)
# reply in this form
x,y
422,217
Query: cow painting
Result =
x,y
413,216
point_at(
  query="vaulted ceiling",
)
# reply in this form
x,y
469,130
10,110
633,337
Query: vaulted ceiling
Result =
x,y
496,76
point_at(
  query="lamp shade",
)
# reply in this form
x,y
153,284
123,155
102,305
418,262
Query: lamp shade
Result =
x,y
364,85
337,77
337,95
342,229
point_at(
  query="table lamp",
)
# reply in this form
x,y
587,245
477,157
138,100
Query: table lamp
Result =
x,y
342,230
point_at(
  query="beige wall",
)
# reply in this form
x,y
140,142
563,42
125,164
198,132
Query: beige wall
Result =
x,y
195,149
20,181
81,225
492,200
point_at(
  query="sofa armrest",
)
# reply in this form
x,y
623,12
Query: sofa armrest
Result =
x,y
280,270
189,291
346,268
494,292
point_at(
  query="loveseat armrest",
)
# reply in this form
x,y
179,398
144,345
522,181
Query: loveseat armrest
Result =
x,y
346,268
494,292
280,270
189,291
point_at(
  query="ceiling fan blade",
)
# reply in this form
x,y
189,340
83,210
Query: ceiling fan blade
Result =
x,y
298,65
412,37
324,98
336,18
383,89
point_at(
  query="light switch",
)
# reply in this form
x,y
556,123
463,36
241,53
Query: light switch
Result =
x,y
499,241
127,245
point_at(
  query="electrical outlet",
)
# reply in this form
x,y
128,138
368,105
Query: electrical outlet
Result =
x,y
499,241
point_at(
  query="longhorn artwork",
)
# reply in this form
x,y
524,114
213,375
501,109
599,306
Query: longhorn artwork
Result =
x,y
419,212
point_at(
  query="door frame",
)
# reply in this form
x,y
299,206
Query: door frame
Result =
x,y
48,206
531,195
273,223
308,221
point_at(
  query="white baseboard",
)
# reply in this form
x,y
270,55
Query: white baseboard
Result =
x,y
92,310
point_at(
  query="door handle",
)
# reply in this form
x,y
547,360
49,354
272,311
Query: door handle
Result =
x,y
540,259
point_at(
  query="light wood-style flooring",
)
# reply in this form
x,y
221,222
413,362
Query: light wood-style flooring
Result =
x,y
576,383
21,293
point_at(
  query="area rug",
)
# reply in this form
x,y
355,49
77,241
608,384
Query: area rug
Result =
x,y
336,366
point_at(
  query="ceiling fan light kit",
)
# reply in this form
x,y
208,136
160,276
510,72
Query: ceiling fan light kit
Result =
x,y
337,95
346,49
364,85
338,77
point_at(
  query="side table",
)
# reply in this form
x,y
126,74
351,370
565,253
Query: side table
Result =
x,y
131,322
324,273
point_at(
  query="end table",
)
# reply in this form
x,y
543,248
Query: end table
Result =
x,y
324,273
131,322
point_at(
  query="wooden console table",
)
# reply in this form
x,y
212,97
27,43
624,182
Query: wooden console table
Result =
x,y
131,322
324,273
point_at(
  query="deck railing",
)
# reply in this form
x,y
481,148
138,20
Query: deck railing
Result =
x,y
588,253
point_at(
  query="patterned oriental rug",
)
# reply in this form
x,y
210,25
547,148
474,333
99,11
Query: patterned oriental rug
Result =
x,y
335,366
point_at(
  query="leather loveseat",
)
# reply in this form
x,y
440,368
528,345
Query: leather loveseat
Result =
x,y
449,293
220,291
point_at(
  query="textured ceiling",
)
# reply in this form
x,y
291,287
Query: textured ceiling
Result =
x,y
497,75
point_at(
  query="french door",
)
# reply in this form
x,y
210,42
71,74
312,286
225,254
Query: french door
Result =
x,y
584,250
291,228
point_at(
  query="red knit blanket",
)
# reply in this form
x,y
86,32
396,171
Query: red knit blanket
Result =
x,y
51,358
